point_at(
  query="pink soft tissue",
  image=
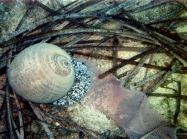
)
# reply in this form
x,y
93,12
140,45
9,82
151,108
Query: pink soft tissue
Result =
x,y
130,109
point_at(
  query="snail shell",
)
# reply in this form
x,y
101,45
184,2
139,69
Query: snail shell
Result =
x,y
41,73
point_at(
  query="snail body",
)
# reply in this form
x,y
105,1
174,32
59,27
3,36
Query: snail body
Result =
x,y
42,73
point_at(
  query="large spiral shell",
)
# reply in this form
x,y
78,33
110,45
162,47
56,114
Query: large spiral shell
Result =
x,y
41,73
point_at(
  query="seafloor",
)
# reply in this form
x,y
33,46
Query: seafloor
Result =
x,y
158,76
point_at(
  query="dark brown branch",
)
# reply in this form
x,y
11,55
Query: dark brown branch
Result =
x,y
123,63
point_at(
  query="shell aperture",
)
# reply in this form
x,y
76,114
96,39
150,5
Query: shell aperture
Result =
x,y
41,73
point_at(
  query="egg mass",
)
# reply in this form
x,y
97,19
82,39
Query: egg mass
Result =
x,y
41,73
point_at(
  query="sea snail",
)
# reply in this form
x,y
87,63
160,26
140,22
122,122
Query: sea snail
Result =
x,y
44,73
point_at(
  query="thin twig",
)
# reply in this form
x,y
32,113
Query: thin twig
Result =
x,y
160,19
100,56
52,19
39,116
68,121
123,63
20,117
178,103
24,17
115,53
105,32
171,47
9,112
175,66
148,6
107,48
135,70
165,94
148,79
146,72
16,129
39,4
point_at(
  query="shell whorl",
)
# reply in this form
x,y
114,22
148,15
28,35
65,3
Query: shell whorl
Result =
x,y
41,73
60,64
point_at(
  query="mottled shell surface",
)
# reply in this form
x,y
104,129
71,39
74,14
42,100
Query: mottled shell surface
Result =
x,y
41,73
